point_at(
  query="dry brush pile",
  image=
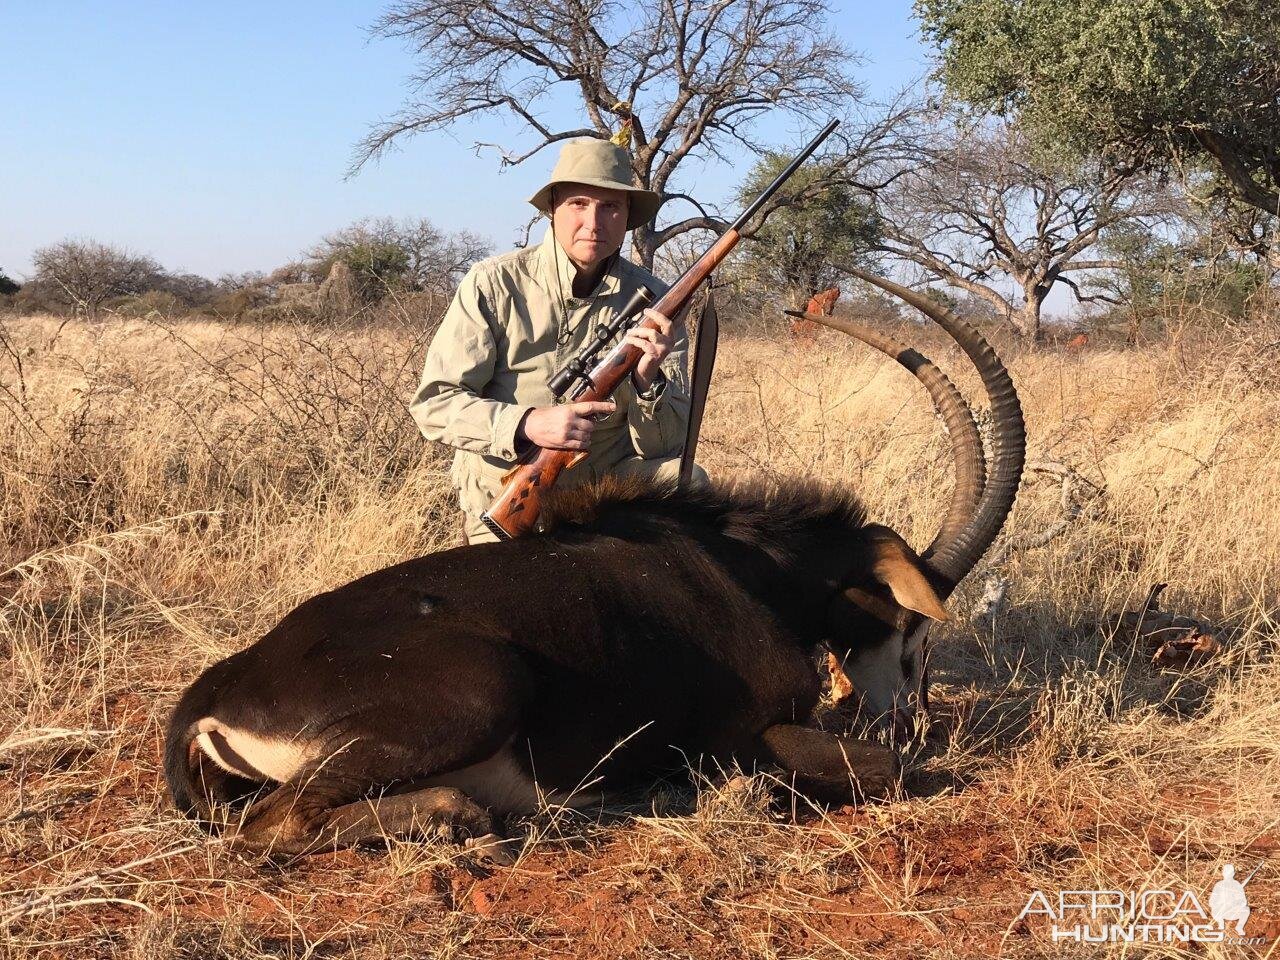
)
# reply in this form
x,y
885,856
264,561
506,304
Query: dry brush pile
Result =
x,y
167,491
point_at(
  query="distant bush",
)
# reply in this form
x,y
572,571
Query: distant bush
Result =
x,y
387,256
234,303
293,272
280,313
151,302
188,289
35,297
409,265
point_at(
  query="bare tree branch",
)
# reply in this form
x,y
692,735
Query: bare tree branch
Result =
x,y
1096,296
692,76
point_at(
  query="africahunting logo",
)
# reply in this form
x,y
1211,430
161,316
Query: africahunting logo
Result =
x,y
1148,916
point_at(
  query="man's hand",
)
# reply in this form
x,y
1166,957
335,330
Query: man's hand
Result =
x,y
656,344
563,427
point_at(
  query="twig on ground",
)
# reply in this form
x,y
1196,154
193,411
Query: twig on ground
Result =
x,y
1080,498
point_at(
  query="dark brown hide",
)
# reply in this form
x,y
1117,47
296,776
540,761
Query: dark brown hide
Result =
x,y
685,623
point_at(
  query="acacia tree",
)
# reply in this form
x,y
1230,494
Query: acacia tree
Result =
x,y
691,77
438,260
1156,83
88,274
801,246
978,209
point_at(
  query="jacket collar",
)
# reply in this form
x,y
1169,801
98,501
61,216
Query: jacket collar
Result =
x,y
554,261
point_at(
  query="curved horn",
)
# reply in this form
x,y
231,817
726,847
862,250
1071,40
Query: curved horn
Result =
x,y
954,557
966,444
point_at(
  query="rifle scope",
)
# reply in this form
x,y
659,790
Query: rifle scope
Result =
x,y
577,370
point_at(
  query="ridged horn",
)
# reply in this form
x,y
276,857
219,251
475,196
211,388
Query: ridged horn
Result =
x,y
966,444
952,558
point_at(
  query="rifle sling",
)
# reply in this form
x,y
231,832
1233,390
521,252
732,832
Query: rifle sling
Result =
x,y
704,361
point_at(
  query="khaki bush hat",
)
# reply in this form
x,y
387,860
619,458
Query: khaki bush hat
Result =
x,y
599,163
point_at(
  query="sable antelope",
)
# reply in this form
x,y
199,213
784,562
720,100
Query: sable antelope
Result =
x,y
645,628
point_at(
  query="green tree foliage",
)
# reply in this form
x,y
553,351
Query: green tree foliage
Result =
x,y
378,266
1160,275
1144,264
1145,82
801,246
8,285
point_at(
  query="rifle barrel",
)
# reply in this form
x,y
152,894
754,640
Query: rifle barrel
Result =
x,y
792,167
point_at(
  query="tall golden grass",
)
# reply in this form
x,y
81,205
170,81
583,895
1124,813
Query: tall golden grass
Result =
x,y
168,490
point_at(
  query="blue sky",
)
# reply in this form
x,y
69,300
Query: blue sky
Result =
x,y
216,137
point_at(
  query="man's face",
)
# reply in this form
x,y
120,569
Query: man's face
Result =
x,y
589,222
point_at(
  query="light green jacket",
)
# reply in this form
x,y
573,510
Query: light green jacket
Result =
x,y
498,346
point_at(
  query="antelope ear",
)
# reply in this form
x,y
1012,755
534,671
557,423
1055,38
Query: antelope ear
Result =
x,y
896,566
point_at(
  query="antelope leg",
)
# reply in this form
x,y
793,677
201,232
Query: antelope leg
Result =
x,y
429,811
322,815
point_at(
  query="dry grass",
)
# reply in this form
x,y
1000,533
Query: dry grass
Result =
x,y
167,494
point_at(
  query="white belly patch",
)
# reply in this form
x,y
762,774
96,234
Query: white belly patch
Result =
x,y
501,784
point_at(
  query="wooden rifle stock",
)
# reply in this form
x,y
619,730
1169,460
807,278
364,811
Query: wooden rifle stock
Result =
x,y
515,512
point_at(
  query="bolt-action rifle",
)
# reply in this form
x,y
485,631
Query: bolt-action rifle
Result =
x,y
516,509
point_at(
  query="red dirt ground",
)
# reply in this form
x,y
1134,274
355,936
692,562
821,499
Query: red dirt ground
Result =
x,y
957,882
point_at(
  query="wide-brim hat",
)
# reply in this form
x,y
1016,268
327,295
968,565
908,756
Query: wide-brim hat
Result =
x,y
599,163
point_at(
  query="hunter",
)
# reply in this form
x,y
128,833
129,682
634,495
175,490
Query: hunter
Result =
x,y
517,317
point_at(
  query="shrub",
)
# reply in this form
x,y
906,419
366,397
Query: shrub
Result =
x,y
151,302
